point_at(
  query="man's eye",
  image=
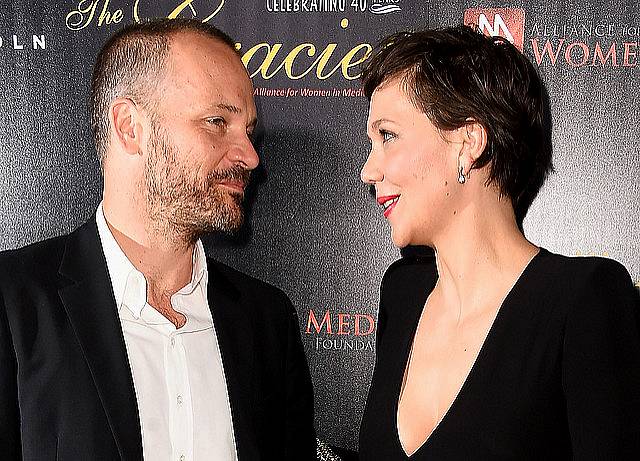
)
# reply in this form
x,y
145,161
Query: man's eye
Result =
x,y
387,135
217,121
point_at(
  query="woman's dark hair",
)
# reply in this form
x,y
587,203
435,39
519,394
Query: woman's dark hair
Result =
x,y
456,74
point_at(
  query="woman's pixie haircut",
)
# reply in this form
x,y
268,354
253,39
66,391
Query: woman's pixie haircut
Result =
x,y
456,76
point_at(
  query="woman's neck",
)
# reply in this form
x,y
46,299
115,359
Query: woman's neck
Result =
x,y
480,257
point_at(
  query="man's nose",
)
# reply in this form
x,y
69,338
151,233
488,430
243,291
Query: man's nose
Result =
x,y
245,154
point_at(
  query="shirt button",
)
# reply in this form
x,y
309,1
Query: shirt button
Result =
x,y
173,342
179,399
182,458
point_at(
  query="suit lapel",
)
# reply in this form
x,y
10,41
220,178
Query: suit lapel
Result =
x,y
233,326
90,305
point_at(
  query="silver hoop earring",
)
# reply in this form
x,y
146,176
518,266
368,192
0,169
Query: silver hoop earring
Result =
x,y
461,178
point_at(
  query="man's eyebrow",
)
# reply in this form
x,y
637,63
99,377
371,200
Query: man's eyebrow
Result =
x,y
229,108
236,110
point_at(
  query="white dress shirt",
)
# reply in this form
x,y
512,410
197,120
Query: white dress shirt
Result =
x,y
178,375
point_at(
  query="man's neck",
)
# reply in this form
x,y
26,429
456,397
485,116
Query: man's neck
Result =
x,y
165,260
166,267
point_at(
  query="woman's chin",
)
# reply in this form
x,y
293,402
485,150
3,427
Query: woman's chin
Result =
x,y
399,239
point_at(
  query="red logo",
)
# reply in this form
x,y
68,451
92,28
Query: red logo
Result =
x,y
341,324
503,22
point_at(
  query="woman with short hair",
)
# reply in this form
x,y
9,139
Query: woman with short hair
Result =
x,y
493,348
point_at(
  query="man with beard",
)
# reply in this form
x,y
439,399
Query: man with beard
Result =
x,y
122,340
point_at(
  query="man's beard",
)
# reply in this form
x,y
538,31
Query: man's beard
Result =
x,y
180,203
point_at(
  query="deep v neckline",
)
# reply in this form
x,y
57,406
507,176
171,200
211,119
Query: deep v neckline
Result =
x,y
487,339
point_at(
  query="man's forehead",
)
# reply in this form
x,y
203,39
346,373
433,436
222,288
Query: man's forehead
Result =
x,y
206,74
195,45
192,54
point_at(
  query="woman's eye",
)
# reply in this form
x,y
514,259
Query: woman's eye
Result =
x,y
387,135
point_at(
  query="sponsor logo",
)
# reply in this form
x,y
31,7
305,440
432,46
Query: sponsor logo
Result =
x,y
100,12
384,6
575,43
270,59
263,60
306,6
503,22
24,42
340,330
332,6
309,92
582,44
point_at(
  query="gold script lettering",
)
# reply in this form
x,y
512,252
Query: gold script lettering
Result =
x,y
352,58
291,57
323,60
347,62
263,68
178,9
106,17
81,17
187,3
85,13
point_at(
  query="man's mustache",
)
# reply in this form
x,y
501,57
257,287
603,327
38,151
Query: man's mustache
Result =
x,y
236,173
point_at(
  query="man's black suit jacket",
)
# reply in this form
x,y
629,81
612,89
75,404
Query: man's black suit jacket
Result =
x,y
66,388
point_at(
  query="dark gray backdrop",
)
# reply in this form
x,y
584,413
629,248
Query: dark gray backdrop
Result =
x,y
313,228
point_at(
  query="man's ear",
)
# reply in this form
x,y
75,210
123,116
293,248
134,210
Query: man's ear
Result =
x,y
126,123
474,141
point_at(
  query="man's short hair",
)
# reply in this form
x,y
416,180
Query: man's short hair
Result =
x,y
456,74
132,64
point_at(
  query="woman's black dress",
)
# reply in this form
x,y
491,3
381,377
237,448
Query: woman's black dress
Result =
x,y
558,376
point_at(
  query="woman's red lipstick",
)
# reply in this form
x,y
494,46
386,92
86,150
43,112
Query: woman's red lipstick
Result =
x,y
388,202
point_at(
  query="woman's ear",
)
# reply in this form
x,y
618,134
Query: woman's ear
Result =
x,y
473,136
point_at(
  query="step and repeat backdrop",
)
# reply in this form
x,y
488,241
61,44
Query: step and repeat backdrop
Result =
x,y
313,228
